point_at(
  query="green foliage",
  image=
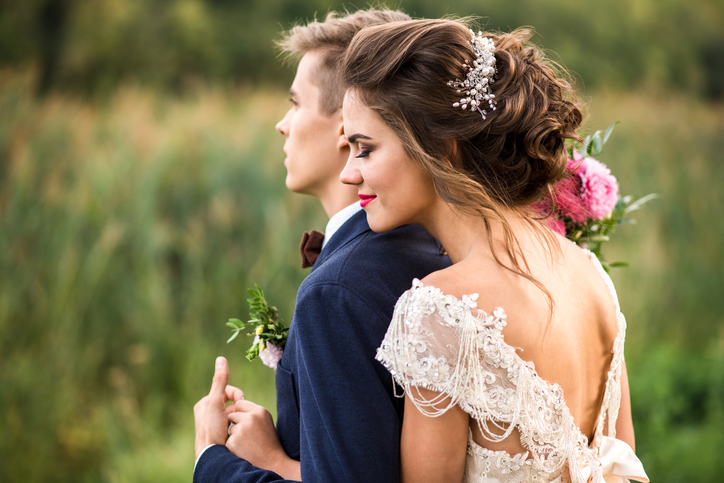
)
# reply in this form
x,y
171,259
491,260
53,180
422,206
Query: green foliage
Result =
x,y
593,143
678,410
593,233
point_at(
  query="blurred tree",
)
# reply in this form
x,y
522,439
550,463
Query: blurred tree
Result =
x,y
53,22
713,61
91,46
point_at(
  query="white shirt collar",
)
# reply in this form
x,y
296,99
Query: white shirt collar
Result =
x,y
339,219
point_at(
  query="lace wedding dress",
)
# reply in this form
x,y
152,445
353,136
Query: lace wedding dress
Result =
x,y
447,345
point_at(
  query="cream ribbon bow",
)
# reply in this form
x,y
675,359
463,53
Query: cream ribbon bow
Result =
x,y
617,462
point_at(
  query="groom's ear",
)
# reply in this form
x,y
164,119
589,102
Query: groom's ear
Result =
x,y
342,139
451,155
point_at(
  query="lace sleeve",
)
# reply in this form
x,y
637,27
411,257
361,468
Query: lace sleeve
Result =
x,y
435,342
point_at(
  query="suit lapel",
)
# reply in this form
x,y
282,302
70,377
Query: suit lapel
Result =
x,y
352,228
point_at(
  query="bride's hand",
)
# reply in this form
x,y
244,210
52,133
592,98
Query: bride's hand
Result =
x,y
254,438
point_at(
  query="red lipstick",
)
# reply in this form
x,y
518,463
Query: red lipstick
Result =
x,y
366,199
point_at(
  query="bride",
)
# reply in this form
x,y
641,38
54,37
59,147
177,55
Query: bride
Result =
x,y
512,358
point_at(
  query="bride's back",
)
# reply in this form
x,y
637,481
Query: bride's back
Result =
x,y
570,345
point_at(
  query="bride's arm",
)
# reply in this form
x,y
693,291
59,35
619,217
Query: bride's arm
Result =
x,y
433,449
624,423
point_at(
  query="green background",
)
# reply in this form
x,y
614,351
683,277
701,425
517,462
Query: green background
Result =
x,y
142,191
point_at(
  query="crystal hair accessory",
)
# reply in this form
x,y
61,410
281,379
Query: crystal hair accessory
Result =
x,y
480,76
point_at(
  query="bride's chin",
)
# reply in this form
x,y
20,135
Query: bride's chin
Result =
x,y
379,226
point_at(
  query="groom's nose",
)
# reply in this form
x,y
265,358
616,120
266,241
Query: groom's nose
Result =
x,y
282,126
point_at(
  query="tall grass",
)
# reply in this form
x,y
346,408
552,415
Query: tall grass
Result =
x,y
130,230
129,233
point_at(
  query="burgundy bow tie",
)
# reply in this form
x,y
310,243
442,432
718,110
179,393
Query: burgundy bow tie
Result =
x,y
310,247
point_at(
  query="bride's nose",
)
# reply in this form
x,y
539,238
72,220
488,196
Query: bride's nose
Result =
x,y
351,173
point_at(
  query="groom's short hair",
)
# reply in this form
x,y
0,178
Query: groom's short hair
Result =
x,y
331,38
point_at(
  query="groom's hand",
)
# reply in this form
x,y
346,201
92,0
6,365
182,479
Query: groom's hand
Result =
x,y
254,438
210,413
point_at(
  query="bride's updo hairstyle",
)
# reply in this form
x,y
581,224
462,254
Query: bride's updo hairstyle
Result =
x,y
402,72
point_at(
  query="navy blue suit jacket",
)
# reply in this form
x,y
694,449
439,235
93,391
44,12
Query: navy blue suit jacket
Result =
x,y
336,410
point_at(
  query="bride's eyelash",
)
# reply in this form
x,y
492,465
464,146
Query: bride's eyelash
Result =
x,y
364,151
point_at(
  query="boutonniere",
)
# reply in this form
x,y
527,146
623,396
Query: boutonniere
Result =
x,y
270,333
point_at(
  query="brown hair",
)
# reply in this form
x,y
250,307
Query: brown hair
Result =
x,y
508,160
332,37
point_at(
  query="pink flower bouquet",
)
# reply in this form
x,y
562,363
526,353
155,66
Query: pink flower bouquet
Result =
x,y
586,206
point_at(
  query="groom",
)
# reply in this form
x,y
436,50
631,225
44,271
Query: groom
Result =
x,y
337,412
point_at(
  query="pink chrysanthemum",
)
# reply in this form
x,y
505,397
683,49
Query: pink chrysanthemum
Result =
x,y
557,225
567,194
543,209
590,192
599,188
271,354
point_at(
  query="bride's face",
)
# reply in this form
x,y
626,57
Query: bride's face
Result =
x,y
393,189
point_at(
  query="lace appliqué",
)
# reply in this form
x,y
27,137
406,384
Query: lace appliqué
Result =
x,y
447,345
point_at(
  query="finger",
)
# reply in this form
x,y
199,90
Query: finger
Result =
x,y
237,417
245,406
255,411
232,393
221,378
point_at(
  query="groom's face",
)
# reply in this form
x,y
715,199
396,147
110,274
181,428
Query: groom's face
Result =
x,y
314,154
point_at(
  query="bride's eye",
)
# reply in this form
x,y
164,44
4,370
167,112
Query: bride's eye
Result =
x,y
364,151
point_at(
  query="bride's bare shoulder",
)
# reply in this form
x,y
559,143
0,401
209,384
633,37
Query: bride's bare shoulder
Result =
x,y
441,278
468,277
